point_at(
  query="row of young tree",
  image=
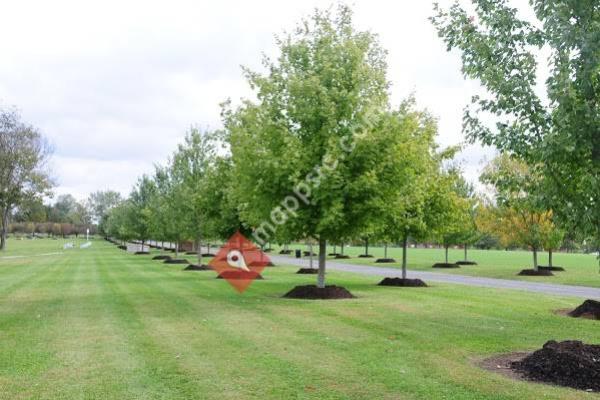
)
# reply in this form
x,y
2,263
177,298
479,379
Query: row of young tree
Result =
x,y
320,155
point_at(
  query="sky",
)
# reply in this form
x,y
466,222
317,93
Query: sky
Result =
x,y
114,85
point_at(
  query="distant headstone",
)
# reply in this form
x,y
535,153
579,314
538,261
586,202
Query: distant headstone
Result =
x,y
85,245
68,246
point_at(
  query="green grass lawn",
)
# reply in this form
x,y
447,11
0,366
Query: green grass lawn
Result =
x,y
103,324
581,269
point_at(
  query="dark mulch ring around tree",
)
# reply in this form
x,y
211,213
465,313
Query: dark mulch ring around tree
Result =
x,y
553,268
307,271
445,265
191,253
208,255
141,253
588,309
195,267
342,256
402,282
465,263
385,260
176,261
308,254
285,252
569,363
241,275
333,254
365,256
312,292
122,247
533,272
161,257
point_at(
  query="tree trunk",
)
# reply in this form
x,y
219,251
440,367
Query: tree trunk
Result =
x,y
342,249
162,247
199,251
466,246
385,250
334,249
310,258
3,230
550,258
535,260
404,250
322,259
446,250
366,246
208,248
177,249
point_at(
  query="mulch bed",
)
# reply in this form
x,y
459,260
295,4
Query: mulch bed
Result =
x,y
342,256
333,254
141,253
365,256
191,253
465,263
307,254
163,257
533,272
241,275
385,260
553,268
312,292
307,271
285,252
589,309
122,247
402,282
194,267
445,265
208,255
570,363
176,261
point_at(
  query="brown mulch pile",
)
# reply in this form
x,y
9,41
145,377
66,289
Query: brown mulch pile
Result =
x,y
312,292
466,263
141,253
385,260
195,267
365,256
163,257
445,265
570,363
342,256
533,272
589,309
176,261
553,268
307,271
402,282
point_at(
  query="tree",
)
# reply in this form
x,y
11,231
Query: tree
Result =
x,y
63,208
23,156
410,166
295,177
553,240
138,208
523,215
188,171
100,203
558,137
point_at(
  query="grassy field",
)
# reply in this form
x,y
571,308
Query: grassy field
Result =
x,y
581,269
103,324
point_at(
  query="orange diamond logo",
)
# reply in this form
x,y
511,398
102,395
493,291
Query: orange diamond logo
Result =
x,y
239,262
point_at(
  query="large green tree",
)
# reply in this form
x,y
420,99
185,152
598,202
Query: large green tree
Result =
x,y
555,131
23,173
300,168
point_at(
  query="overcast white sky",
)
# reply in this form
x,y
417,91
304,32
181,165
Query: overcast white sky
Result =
x,y
115,84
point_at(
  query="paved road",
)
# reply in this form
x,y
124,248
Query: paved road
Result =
x,y
546,288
